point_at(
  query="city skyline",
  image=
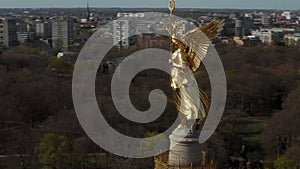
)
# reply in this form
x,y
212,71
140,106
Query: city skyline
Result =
x,y
229,4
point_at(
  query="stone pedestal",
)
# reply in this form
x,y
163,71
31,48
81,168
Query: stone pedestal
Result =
x,y
185,150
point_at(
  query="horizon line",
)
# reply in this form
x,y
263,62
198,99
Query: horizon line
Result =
x,y
148,8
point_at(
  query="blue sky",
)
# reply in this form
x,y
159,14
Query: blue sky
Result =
x,y
249,4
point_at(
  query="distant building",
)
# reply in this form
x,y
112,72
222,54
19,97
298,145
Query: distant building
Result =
x,y
8,32
257,21
25,36
287,15
139,23
157,27
266,36
272,35
43,29
152,41
275,16
266,20
131,15
234,15
62,34
145,26
2,32
89,22
121,33
248,25
184,27
239,28
278,33
122,29
229,28
248,15
22,27
297,36
251,40
292,39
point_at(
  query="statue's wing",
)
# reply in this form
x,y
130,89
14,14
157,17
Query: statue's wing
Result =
x,y
198,41
212,29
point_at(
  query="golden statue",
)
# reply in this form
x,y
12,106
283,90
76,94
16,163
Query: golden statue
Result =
x,y
192,103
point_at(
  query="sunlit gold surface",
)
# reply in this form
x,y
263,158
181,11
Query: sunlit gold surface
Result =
x,y
171,6
192,103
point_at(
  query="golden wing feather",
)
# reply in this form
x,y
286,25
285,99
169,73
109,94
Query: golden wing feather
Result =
x,y
212,29
198,41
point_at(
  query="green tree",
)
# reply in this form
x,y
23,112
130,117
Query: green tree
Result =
x,y
298,42
285,163
294,153
60,66
52,151
58,45
290,42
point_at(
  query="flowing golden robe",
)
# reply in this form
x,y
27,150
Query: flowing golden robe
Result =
x,y
187,96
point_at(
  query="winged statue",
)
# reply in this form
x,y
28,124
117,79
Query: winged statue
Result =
x,y
187,54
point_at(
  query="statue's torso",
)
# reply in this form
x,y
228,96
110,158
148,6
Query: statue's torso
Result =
x,y
179,69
